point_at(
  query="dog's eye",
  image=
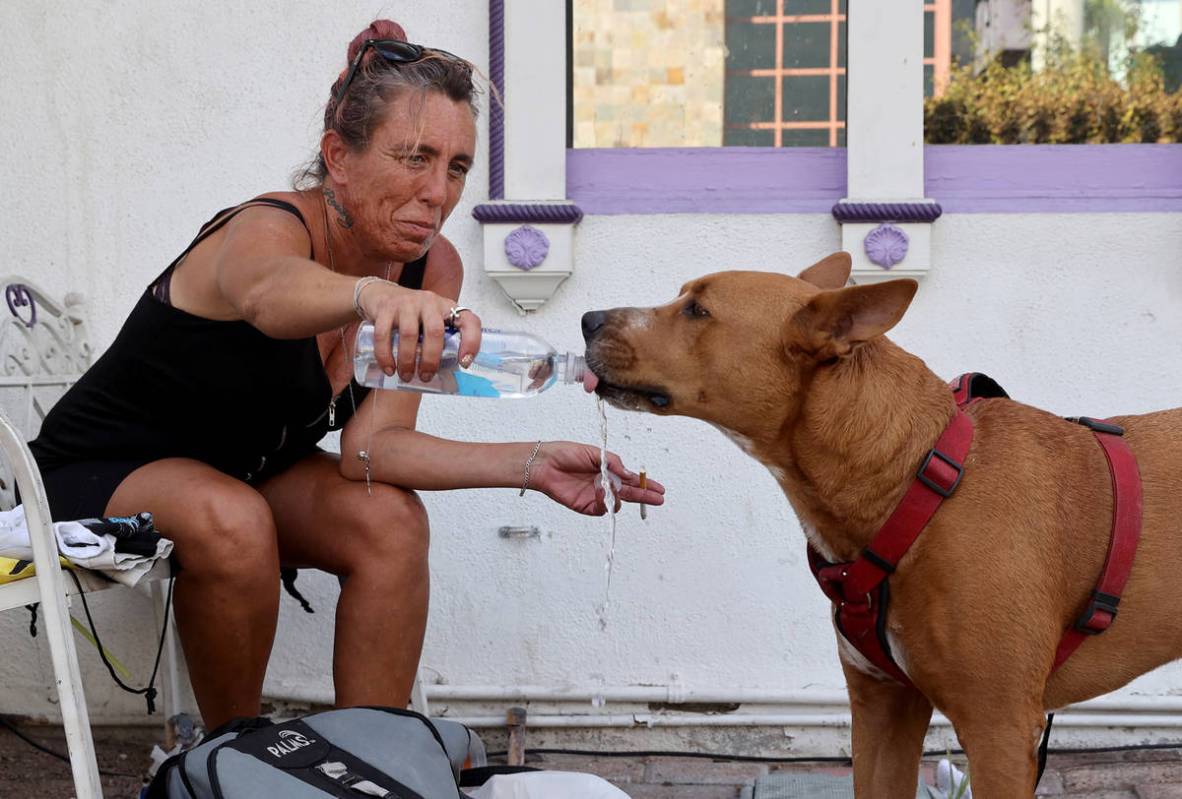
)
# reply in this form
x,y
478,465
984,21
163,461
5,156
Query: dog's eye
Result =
x,y
693,309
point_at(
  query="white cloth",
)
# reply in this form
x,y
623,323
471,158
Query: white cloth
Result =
x,y
80,546
547,785
951,782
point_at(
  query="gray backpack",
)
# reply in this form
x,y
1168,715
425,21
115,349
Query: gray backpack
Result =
x,y
352,752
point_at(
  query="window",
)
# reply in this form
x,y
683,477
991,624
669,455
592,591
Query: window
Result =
x,y
1053,71
948,37
785,73
703,73
739,106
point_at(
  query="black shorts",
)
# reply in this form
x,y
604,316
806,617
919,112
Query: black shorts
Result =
x,y
82,490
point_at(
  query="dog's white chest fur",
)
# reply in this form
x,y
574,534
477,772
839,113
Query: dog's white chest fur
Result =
x,y
748,447
741,441
817,542
852,657
847,651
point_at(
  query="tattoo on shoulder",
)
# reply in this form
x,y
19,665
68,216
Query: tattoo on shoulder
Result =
x,y
343,218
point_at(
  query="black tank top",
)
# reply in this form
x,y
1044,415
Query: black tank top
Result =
x,y
222,392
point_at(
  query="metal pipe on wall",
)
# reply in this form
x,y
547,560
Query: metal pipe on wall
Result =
x,y
1118,711
835,720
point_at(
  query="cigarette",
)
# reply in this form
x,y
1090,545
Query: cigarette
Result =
x,y
643,486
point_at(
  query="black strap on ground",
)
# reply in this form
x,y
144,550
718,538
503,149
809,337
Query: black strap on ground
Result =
x,y
1042,749
148,691
287,576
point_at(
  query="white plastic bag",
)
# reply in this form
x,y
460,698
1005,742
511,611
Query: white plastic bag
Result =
x,y
951,782
547,785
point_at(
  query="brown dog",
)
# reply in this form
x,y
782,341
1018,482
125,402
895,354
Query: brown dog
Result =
x,y
797,372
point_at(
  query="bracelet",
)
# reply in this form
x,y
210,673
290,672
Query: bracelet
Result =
x,y
359,287
529,462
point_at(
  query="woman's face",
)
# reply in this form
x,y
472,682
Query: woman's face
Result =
x,y
402,187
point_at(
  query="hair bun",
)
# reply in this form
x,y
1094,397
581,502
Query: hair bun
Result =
x,y
378,29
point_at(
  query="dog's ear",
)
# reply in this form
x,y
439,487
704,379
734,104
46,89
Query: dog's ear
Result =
x,y
831,272
834,323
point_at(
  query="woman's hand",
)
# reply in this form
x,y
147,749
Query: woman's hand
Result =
x,y
392,307
568,473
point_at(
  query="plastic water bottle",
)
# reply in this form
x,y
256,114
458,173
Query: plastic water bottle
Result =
x,y
510,365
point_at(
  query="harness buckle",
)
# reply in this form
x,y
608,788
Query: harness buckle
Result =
x,y
921,473
830,578
1089,622
1097,426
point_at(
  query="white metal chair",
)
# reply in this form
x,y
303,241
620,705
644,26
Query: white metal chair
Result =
x,y
44,348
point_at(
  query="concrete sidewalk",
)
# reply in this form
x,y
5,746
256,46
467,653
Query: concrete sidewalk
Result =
x,y
123,753
1152,774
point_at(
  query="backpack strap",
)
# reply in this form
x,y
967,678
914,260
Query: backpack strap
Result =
x,y
309,756
158,788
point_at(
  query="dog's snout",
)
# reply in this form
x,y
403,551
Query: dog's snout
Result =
x,y
592,322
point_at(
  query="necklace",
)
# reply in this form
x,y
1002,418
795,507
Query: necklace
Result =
x,y
362,455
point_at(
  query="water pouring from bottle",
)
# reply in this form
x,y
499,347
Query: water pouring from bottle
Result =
x,y
510,365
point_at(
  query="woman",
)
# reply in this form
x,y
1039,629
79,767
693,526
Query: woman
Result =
x,y
208,406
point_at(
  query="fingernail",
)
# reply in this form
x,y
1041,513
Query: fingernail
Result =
x,y
389,370
426,376
466,361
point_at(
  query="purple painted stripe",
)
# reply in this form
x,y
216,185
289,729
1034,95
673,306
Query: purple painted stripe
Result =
x,y
964,179
496,103
1047,177
714,180
528,212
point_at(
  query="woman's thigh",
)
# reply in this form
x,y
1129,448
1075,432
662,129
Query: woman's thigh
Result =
x,y
216,521
326,521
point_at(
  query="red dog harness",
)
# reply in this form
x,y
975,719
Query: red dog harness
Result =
x,y
860,589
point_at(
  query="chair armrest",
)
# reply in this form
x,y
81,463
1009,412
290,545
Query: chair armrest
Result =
x,y
32,490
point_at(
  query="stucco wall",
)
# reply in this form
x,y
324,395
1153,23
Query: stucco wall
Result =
x,y
129,124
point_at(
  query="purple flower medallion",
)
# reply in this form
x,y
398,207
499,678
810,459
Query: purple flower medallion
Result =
x,y
526,247
886,245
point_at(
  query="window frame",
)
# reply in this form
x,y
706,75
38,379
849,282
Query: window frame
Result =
x,y
962,178
1061,178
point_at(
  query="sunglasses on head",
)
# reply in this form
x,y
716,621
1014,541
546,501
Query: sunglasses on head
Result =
x,y
393,51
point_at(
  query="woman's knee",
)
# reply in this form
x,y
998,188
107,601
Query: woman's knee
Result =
x,y
232,537
388,527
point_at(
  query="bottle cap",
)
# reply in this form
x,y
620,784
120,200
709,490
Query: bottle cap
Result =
x,y
574,367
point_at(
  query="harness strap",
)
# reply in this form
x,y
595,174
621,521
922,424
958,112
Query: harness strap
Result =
x,y
1100,610
860,592
935,480
974,386
859,589
862,623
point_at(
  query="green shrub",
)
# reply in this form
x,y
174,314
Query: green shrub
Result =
x,y
1174,116
1072,100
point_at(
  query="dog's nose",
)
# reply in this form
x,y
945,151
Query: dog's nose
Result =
x,y
592,322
